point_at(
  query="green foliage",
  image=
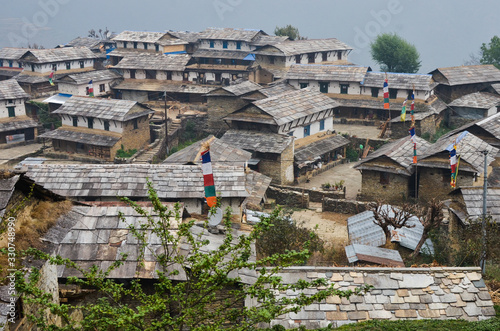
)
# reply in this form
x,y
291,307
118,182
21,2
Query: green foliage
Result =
x,y
125,154
284,235
189,304
394,54
441,130
352,154
48,120
290,31
491,52
428,324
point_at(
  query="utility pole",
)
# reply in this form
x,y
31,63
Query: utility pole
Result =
x,y
482,264
166,123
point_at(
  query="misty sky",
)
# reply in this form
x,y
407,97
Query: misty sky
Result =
x,y
445,32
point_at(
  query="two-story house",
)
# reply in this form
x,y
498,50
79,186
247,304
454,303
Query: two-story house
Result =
x,y
97,128
15,126
10,64
78,83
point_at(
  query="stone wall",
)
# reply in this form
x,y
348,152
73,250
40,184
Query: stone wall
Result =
x,y
343,206
435,182
397,294
396,189
136,138
219,107
315,195
288,197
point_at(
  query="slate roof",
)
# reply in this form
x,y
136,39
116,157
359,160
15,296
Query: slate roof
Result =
x,y
10,89
171,181
84,42
139,36
496,87
292,105
7,186
51,55
295,47
481,100
257,141
400,81
263,40
325,72
274,89
109,109
317,148
152,61
162,86
230,34
18,124
473,199
259,184
220,152
86,77
12,53
220,54
490,124
469,148
399,151
94,139
384,256
96,236
474,74
242,88
189,36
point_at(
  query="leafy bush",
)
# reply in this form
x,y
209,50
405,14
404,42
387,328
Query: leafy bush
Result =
x,y
48,120
125,154
352,154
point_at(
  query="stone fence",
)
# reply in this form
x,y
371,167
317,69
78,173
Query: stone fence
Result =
x,y
397,294
343,206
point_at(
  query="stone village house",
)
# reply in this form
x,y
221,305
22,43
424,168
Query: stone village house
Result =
x,y
97,128
471,107
15,126
78,83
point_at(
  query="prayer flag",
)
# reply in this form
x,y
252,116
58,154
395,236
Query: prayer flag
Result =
x,y
50,78
91,89
386,94
208,178
403,111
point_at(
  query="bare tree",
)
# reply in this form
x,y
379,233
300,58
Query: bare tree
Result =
x,y
35,46
474,58
431,217
100,34
387,216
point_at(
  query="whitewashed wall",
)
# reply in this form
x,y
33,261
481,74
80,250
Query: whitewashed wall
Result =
x,y
18,105
114,126
81,89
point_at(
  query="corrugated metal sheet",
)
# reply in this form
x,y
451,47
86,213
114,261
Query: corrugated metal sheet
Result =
x,y
383,256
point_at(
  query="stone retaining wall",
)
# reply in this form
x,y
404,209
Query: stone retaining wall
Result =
x,y
343,206
398,293
314,195
288,197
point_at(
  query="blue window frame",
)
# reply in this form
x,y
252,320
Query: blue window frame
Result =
x,y
212,44
238,45
224,44
307,130
321,125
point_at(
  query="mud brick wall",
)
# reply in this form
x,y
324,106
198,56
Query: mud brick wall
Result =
x,y
343,206
398,293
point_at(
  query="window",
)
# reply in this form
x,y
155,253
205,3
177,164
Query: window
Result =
x,y
375,92
124,44
136,124
1,63
212,44
75,120
33,67
324,56
135,44
10,63
82,64
321,125
303,85
87,91
339,55
307,130
218,61
344,88
271,60
233,62
90,122
19,65
54,67
169,75
238,45
145,45
310,58
224,44
290,133
384,178
393,93
12,111
323,87
68,65
132,73
102,88
297,58
410,92
106,125
157,48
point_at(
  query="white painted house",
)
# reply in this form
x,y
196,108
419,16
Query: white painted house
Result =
x,y
78,83
15,126
58,59
154,66
401,85
297,113
337,79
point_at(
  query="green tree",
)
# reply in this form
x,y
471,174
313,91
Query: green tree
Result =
x,y
290,31
394,54
490,53
179,305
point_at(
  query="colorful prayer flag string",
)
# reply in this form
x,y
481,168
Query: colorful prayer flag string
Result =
x,y
403,111
208,178
414,141
91,89
50,78
386,94
412,108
